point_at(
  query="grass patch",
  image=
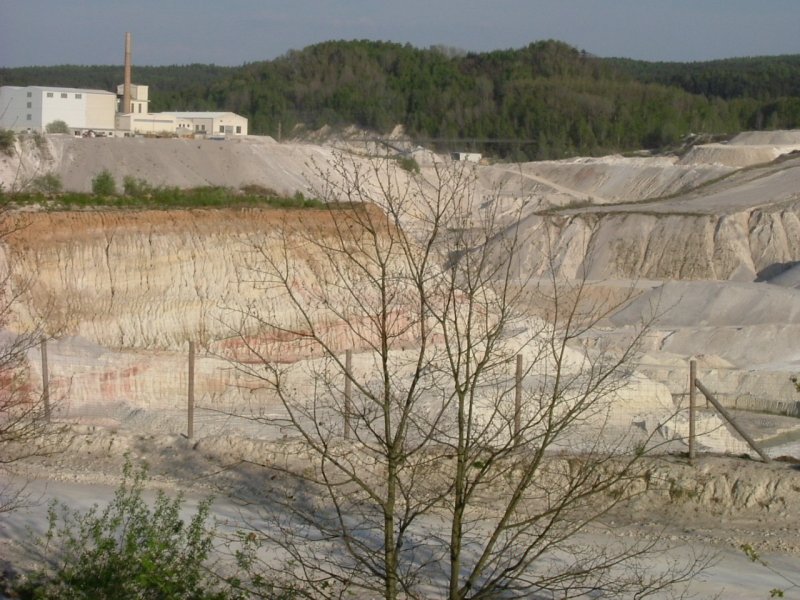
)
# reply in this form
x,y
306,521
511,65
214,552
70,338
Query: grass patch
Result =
x,y
142,196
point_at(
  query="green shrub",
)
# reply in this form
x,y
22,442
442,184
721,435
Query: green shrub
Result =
x,y
49,183
138,188
408,163
127,550
297,201
7,139
140,194
39,140
254,189
57,126
103,184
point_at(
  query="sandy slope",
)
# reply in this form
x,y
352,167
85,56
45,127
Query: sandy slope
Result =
x,y
713,507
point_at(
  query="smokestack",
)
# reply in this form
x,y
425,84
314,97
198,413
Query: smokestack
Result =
x,y
126,87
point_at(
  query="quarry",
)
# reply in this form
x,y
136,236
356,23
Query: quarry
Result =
x,y
703,248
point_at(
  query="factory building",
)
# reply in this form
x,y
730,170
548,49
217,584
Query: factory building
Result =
x,y
98,112
211,124
34,107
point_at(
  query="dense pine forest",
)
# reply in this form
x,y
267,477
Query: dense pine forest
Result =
x,y
547,100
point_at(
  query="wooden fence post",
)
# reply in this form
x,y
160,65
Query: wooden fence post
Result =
x,y
190,416
729,418
518,400
692,407
45,381
348,388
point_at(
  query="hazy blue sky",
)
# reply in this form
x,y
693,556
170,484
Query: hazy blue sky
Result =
x,y
232,32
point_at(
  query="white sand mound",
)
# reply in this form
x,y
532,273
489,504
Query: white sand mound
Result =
x,y
748,148
744,335
739,155
713,304
183,163
777,138
616,179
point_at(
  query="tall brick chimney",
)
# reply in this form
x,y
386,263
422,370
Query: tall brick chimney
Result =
x,y
126,86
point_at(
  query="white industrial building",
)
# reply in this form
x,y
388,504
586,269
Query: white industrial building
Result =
x,y
146,124
139,99
104,113
211,124
34,107
467,156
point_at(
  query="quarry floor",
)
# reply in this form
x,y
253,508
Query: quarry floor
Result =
x,y
756,508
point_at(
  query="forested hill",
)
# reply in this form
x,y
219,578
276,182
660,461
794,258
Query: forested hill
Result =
x,y
763,77
542,101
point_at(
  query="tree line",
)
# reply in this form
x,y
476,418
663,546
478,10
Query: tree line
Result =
x,y
546,100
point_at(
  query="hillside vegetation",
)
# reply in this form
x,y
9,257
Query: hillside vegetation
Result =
x,y
546,100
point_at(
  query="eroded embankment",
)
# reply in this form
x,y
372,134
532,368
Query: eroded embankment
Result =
x,y
151,279
154,279
641,245
122,292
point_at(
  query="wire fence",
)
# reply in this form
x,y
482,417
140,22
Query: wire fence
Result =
x,y
740,389
201,394
751,402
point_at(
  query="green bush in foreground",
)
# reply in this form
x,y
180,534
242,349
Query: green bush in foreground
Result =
x,y
408,163
133,186
127,550
57,126
7,139
103,184
48,184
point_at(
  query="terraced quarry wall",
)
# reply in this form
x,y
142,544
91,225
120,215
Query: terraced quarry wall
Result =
x,y
640,245
153,279
132,287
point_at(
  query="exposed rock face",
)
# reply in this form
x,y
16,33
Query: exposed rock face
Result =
x,y
124,291
154,279
637,245
138,279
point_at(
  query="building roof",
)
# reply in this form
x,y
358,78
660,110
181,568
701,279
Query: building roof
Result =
x,y
48,88
200,114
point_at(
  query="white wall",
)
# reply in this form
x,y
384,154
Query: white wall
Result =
x,y
229,123
79,109
14,110
70,109
101,111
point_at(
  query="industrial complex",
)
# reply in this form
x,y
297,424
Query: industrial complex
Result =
x,y
104,113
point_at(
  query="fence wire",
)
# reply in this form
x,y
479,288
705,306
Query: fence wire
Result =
x,y
147,394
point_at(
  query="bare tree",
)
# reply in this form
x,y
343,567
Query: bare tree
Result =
x,y
423,470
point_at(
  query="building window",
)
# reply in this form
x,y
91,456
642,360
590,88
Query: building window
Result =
x,y
222,129
30,94
78,96
203,127
30,117
49,94
63,94
30,104
238,129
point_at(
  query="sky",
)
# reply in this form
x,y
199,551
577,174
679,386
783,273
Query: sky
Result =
x,y
234,32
